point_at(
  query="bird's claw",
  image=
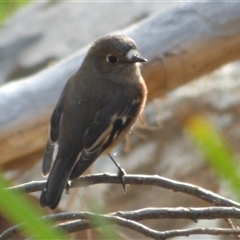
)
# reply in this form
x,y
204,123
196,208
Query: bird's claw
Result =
x,y
67,188
121,174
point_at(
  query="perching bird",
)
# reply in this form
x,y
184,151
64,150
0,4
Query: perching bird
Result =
x,y
96,109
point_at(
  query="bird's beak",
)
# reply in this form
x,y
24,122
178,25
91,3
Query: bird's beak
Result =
x,y
136,59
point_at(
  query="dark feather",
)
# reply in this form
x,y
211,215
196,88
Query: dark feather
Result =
x,y
53,136
56,182
101,134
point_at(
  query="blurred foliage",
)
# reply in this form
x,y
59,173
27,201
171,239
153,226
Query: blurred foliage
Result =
x,y
216,150
108,229
8,7
14,206
18,209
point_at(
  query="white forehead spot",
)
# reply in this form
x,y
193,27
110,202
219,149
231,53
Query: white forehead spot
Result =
x,y
131,53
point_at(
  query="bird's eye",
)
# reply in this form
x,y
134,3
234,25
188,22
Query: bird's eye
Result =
x,y
112,59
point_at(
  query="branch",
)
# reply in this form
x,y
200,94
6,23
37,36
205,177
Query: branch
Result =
x,y
86,220
135,179
193,214
98,220
195,231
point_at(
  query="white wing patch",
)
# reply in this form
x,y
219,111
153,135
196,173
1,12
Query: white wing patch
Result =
x,y
55,151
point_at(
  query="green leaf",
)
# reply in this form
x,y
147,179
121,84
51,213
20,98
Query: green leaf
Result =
x,y
18,209
215,149
7,7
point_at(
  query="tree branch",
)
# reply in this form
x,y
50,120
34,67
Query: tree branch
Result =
x,y
135,179
193,214
201,231
79,221
129,219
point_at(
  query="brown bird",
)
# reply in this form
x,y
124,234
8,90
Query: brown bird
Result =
x,y
96,109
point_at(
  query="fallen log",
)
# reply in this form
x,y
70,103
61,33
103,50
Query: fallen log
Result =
x,y
181,45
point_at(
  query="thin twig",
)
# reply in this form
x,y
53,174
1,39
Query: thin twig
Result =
x,y
152,180
86,220
193,214
196,231
231,225
98,220
10,232
80,221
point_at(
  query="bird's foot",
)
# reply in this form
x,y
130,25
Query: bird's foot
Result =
x,y
67,188
121,173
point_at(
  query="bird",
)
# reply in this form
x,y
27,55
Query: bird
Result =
x,y
96,109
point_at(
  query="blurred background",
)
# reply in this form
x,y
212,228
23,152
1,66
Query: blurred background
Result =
x,y
36,35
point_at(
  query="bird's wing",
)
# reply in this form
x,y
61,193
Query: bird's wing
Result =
x,y
107,125
52,145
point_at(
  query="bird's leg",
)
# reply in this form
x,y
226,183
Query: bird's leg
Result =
x,y
68,185
121,173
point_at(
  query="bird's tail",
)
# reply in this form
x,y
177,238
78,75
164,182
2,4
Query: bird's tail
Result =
x,y
56,183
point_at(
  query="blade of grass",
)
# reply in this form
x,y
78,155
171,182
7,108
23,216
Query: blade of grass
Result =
x,y
215,149
18,209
